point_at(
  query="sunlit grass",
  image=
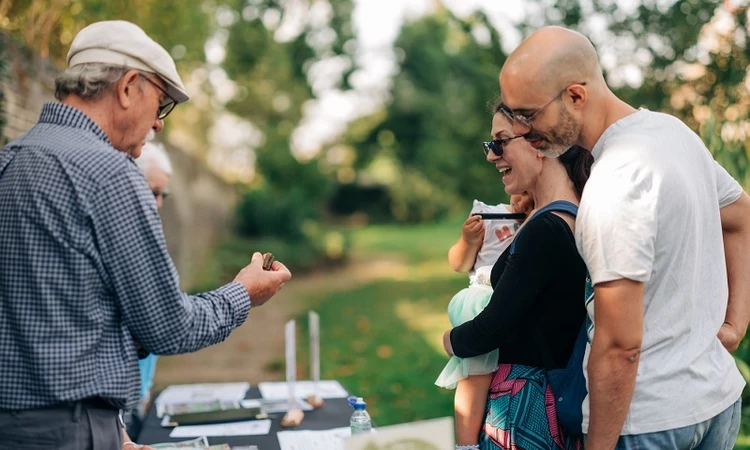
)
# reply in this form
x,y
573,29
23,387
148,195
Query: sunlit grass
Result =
x,y
417,244
390,360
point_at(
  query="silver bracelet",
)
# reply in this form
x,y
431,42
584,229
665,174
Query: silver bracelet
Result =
x,y
467,447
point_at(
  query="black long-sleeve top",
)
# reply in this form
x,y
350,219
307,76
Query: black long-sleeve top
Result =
x,y
540,286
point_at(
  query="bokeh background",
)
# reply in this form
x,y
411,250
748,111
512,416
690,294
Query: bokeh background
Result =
x,y
343,136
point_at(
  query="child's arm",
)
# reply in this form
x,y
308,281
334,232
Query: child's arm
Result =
x,y
463,253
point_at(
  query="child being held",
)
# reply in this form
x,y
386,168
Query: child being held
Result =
x,y
476,251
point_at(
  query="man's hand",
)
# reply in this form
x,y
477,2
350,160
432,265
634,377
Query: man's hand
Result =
x,y
473,229
730,336
262,284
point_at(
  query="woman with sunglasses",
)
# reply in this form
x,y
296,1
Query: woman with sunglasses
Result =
x,y
538,291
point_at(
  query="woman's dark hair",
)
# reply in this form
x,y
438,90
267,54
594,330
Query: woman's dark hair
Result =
x,y
577,162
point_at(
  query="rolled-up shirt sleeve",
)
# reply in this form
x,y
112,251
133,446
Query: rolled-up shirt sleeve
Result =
x,y
144,281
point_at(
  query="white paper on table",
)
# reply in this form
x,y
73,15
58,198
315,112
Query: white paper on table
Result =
x,y
275,406
244,428
435,434
180,394
326,389
313,440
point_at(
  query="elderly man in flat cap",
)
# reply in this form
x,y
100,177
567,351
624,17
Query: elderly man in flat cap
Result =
x,y
86,283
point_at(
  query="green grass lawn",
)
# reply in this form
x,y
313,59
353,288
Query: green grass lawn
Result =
x,y
382,340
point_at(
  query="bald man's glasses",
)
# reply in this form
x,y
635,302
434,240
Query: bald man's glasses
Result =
x,y
526,119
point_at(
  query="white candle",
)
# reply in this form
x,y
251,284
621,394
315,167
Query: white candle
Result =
x,y
291,360
314,349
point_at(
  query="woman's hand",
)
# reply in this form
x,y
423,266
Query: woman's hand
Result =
x,y
473,230
447,343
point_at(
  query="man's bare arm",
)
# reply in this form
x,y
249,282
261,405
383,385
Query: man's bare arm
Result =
x,y
614,357
735,226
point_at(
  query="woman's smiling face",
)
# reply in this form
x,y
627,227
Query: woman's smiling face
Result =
x,y
520,163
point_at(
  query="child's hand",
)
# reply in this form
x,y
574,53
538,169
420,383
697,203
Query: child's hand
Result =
x,y
473,230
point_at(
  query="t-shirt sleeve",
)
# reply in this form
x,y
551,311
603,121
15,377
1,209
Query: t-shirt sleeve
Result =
x,y
532,264
727,188
617,224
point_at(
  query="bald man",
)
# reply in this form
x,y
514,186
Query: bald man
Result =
x,y
661,228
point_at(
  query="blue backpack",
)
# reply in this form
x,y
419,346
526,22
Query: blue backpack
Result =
x,y
568,384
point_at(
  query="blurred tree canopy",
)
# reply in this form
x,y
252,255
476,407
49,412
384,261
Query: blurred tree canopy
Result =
x,y
425,144
49,26
418,157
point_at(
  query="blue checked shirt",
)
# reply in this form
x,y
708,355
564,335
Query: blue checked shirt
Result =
x,y
84,270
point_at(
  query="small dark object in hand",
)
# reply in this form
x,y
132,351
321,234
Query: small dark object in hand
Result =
x,y
267,261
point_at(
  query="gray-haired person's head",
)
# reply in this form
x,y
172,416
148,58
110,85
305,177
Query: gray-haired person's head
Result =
x,y
123,80
89,81
157,169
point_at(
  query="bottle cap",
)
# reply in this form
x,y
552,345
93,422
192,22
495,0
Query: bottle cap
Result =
x,y
356,402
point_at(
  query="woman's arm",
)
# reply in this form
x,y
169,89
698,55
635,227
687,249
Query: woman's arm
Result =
x,y
463,253
543,245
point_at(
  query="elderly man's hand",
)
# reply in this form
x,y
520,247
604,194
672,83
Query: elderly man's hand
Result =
x,y
262,284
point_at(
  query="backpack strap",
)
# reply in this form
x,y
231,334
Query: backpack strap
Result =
x,y
563,206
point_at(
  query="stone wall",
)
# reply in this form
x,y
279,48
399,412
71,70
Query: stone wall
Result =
x,y
200,208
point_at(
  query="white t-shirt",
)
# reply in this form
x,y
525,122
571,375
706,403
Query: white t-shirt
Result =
x,y
650,213
497,235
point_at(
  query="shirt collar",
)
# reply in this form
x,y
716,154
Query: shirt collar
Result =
x,y
62,114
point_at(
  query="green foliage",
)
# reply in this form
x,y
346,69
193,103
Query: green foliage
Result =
x,y
262,213
430,131
320,248
416,199
48,26
438,114
285,223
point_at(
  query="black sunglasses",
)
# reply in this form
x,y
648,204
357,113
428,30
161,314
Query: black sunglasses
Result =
x,y
167,105
496,146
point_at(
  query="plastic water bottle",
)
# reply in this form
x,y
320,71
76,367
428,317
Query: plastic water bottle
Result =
x,y
360,422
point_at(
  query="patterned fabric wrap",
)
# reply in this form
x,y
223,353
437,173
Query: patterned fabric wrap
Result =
x,y
521,413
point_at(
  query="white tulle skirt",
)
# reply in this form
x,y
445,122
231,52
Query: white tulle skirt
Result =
x,y
464,306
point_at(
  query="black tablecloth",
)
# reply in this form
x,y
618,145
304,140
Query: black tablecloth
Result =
x,y
334,414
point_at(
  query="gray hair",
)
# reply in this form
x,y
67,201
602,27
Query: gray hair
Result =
x,y
153,156
89,81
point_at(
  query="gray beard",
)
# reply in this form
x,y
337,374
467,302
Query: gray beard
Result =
x,y
554,150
